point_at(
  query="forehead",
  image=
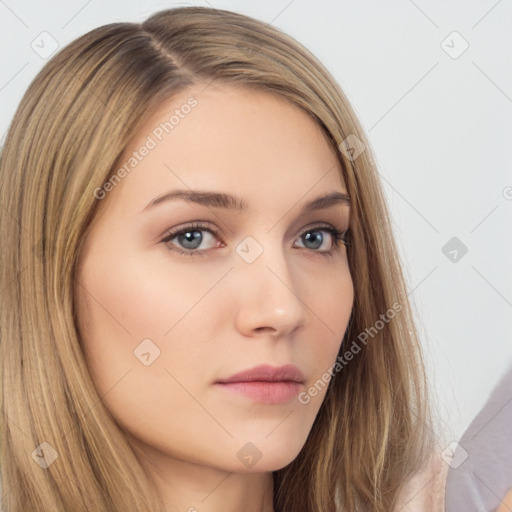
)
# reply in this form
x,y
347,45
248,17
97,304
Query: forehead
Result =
x,y
225,137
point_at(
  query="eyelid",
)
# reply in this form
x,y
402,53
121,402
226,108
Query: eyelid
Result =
x,y
191,226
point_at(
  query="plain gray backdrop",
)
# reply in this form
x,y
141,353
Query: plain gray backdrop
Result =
x,y
431,83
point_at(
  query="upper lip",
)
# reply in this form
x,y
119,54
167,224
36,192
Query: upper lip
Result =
x,y
267,373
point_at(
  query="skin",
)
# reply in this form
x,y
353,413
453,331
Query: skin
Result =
x,y
506,504
214,314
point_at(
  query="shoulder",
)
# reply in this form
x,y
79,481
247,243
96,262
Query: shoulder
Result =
x,y
425,490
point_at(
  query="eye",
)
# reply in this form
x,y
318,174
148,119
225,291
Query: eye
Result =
x,y
187,240
190,238
314,239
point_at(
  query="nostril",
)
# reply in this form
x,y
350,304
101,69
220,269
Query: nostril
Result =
x,y
260,329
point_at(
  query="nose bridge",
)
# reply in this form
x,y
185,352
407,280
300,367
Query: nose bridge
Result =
x,y
270,296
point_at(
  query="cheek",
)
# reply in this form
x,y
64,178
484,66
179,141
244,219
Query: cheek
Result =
x,y
130,299
147,334
129,310
330,308
330,304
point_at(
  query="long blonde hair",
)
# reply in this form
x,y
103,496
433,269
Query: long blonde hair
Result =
x,y
78,115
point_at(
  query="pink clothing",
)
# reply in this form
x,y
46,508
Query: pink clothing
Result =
x,y
425,491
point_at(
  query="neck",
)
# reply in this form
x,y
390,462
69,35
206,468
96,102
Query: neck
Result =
x,y
190,487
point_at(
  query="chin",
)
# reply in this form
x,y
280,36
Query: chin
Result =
x,y
265,457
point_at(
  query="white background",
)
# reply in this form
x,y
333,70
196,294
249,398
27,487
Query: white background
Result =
x,y
440,129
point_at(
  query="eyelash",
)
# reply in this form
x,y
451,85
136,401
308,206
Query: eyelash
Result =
x,y
338,236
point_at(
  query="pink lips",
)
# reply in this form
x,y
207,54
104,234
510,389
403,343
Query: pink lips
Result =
x,y
264,383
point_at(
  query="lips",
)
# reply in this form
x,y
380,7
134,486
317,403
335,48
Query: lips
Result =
x,y
265,384
266,373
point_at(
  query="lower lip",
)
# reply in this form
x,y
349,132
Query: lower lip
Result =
x,y
266,392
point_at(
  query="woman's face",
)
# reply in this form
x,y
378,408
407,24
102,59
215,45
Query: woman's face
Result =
x,y
167,318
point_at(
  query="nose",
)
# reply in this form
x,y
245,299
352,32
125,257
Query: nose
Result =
x,y
270,301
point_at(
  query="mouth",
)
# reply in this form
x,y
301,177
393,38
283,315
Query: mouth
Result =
x,y
265,392
265,384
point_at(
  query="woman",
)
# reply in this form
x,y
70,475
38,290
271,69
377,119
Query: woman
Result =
x,y
170,337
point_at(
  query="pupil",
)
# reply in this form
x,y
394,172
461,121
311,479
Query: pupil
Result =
x,y
315,236
190,237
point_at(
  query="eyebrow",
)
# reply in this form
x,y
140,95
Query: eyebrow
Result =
x,y
231,202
